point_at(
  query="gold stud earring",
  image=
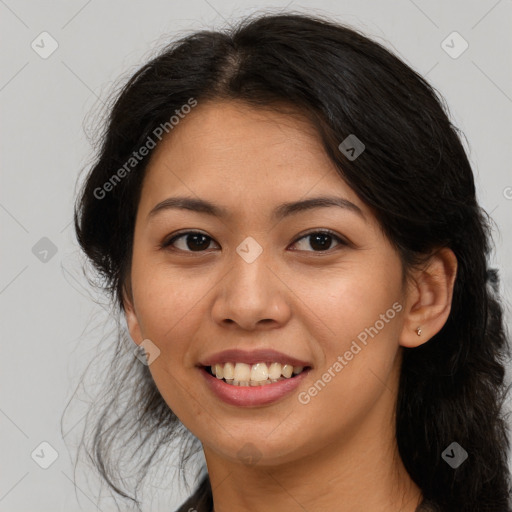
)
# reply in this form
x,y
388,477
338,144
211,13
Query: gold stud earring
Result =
x,y
418,331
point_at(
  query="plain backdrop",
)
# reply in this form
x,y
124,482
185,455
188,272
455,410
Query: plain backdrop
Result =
x,y
51,325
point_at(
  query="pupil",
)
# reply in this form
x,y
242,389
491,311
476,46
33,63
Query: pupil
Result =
x,y
195,244
324,245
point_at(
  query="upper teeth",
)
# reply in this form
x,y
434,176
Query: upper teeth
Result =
x,y
257,372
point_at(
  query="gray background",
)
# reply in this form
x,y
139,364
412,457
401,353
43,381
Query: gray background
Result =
x,y
51,325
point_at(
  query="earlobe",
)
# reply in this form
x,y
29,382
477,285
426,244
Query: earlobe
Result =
x,y
430,293
131,319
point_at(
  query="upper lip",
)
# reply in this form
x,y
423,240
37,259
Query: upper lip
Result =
x,y
251,357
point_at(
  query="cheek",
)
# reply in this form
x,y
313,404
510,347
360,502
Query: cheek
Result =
x,y
359,352
169,312
352,299
166,303
361,311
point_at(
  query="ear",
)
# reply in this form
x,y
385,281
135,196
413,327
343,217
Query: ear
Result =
x,y
429,298
131,318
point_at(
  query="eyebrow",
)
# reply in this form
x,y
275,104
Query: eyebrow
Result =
x,y
279,213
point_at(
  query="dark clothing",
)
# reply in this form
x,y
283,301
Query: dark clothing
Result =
x,y
202,500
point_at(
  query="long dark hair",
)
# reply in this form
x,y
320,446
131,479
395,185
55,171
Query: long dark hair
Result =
x,y
415,176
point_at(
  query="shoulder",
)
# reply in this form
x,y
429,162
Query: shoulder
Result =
x,y
201,500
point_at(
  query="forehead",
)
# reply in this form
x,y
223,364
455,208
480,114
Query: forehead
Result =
x,y
229,148
230,129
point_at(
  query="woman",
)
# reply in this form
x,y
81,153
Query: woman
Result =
x,y
287,220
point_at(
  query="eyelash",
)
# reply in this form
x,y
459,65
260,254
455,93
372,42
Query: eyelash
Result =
x,y
167,244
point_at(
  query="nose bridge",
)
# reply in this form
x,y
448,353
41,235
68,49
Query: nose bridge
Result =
x,y
250,269
250,291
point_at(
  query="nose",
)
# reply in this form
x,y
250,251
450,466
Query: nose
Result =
x,y
252,296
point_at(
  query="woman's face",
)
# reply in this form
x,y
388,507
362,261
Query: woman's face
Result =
x,y
256,280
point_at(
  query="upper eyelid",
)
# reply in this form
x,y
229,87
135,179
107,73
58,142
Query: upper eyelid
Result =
x,y
178,235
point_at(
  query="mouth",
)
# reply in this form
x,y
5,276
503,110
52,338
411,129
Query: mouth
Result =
x,y
258,374
250,378
245,391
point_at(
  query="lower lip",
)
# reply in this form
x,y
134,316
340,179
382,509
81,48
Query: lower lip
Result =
x,y
247,396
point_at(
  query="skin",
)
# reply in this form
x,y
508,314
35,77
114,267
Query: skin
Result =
x,y
338,452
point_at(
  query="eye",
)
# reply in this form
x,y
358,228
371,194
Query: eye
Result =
x,y
320,240
194,241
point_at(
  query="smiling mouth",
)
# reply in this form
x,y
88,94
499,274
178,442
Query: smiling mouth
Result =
x,y
259,374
